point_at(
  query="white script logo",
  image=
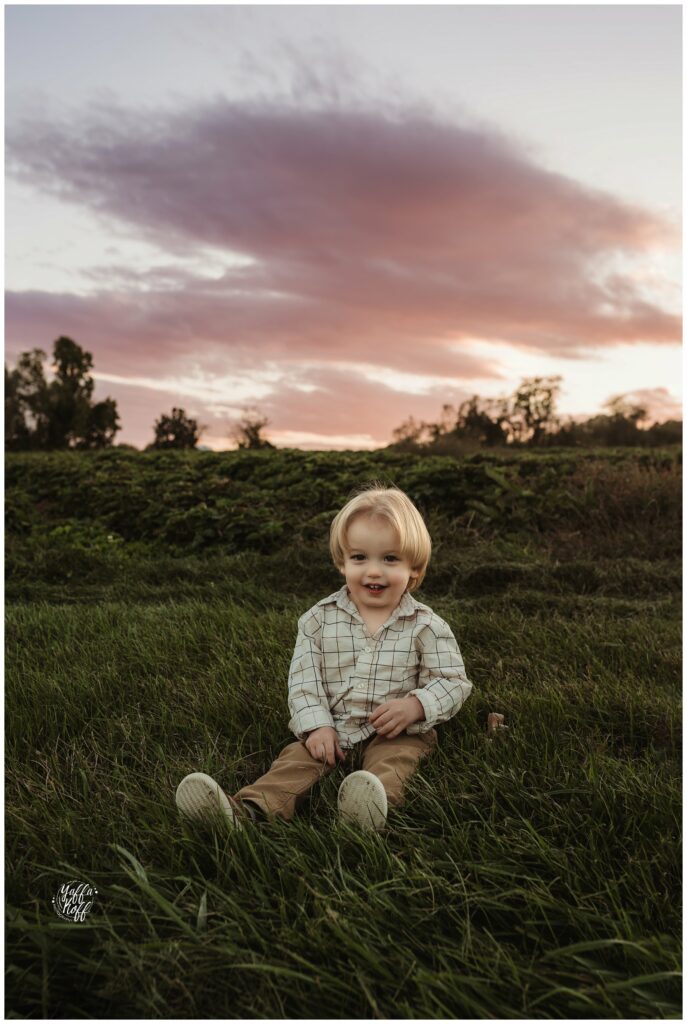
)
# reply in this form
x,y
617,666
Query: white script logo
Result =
x,y
73,900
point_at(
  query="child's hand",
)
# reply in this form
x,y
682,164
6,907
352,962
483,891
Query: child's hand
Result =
x,y
323,745
392,717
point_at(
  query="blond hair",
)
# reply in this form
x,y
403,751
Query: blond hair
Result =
x,y
390,503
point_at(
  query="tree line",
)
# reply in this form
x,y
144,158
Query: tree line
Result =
x,y
528,418
44,416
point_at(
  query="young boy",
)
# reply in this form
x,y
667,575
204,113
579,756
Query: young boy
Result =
x,y
373,671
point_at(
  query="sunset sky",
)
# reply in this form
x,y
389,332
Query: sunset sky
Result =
x,y
343,216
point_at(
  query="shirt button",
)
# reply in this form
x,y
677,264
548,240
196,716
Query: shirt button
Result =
x,y
367,650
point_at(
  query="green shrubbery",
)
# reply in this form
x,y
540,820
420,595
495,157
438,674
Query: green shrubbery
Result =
x,y
165,522
260,500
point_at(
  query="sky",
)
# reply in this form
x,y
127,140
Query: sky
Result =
x,y
337,217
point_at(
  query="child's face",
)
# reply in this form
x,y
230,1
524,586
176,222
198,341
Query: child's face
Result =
x,y
372,556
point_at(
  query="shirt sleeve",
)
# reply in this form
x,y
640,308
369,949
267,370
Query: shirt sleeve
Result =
x,y
443,686
308,704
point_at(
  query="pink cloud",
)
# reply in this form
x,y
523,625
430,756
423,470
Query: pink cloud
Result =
x,y
660,405
375,237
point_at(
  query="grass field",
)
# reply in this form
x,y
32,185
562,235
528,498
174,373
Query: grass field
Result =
x,y
535,875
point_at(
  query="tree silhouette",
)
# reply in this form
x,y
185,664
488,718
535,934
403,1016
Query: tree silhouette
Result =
x,y
619,406
61,414
176,431
487,420
69,395
533,409
100,425
412,434
246,431
25,402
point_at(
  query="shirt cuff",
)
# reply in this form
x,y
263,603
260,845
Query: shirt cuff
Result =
x,y
305,721
432,709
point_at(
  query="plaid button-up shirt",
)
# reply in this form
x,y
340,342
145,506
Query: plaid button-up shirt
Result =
x,y
340,672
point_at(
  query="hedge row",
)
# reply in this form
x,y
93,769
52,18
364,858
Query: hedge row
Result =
x,y
241,500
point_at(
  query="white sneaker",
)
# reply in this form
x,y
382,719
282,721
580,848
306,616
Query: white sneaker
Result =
x,y
362,800
199,796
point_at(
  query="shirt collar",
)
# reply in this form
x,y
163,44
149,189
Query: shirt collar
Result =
x,y
406,606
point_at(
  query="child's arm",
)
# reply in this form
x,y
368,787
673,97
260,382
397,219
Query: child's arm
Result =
x,y
443,686
308,704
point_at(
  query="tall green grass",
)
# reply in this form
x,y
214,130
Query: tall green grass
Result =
x,y
535,875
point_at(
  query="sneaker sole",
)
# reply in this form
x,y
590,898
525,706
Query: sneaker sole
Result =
x,y
199,796
362,800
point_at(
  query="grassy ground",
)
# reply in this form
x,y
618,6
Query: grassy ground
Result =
x,y
536,875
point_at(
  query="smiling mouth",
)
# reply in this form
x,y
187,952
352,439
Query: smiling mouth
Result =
x,y
375,588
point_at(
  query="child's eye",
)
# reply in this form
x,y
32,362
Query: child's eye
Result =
x,y
392,557
356,557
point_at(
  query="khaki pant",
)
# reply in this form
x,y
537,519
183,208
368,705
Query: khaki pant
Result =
x,y
295,771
